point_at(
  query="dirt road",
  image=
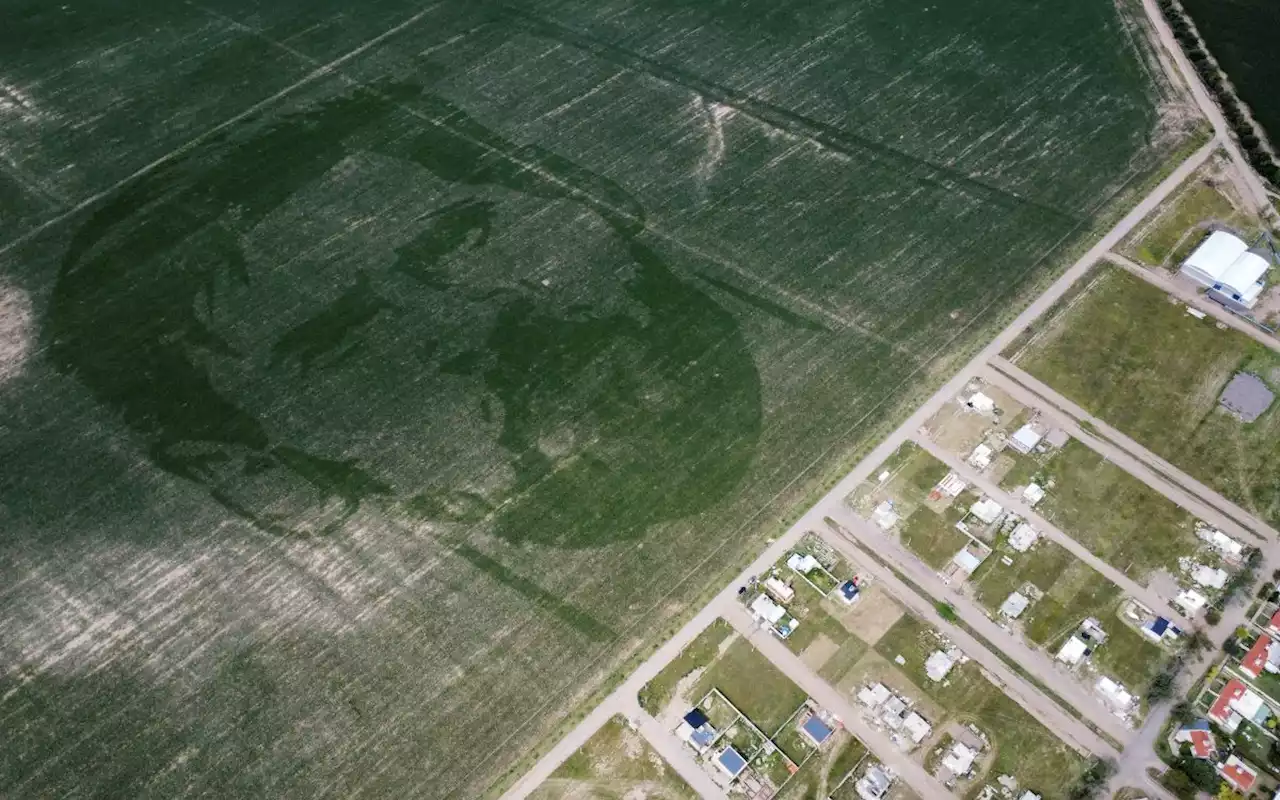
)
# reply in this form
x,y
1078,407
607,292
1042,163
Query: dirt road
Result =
x,y
1161,605
813,519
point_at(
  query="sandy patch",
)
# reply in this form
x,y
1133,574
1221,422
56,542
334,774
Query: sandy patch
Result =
x,y
872,615
818,652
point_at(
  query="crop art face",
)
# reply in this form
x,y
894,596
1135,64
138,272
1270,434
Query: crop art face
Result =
x,y
503,346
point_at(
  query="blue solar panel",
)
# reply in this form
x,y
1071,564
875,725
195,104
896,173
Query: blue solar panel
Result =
x,y
817,729
696,718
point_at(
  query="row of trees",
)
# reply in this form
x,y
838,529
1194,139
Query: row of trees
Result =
x,y
1187,37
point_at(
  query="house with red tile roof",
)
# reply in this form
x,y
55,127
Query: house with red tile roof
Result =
x,y
1197,734
1274,625
1264,655
1238,703
1237,773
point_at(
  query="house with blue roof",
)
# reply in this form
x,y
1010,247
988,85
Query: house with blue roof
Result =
x,y
816,730
731,762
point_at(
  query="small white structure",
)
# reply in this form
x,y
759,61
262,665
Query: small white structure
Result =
x,y
981,403
1072,652
950,486
803,564
1025,439
892,710
1032,494
1014,605
780,590
981,456
1023,537
875,694
959,762
917,729
1221,542
1208,576
1030,795
1117,698
764,608
987,510
1190,601
885,516
1224,263
938,664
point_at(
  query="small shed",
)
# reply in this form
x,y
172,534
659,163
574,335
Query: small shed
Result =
x,y
938,664
1246,397
849,593
779,590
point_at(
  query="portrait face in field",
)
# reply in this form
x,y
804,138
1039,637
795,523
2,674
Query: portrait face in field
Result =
x,y
354,305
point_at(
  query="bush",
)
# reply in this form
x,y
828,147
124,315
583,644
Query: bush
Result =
x,y
946,611
1213,616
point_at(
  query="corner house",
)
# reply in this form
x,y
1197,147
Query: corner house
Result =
x,y
1233,272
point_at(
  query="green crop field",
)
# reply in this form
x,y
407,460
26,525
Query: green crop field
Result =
x,y
1233,31
379,378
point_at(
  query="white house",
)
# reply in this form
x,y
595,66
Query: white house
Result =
x,y
1190,601
1023,537
960,760
1209,576
981,403
1014,605
1072,652
987,510
1224,263
779,589
885,516
938,664
873,695
916,727
981,456
1025,439
1033,494
950,486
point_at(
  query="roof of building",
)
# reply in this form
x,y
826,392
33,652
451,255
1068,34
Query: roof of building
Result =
x,y
803,562
873,695
960,760
951,485
917,727
875,782
1221,708
731,762
696,718
1240,775
966,561
1255,661
987,510
1191,601
849,591
938,664
1023,537
779,589
1027,437
885,515
1158,626
980,402
1198,736
816,728
1246,396
1115,693
1033,493
764,608
1073,650
1224,261
1014,605
1213,577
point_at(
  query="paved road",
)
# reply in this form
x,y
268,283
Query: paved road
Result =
x,y
849,528
1257,194
812,520
1188,294
909,771
1160,605
1051,400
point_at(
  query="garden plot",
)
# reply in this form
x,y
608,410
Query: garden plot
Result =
x,y
615,762
397,358
1141,363
1207,200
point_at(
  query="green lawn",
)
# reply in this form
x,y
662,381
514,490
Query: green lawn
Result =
x,y
1116,516
1146,367
1025,747
658,692
1170,227
819,775
753,684
933,536
994,581
612,764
